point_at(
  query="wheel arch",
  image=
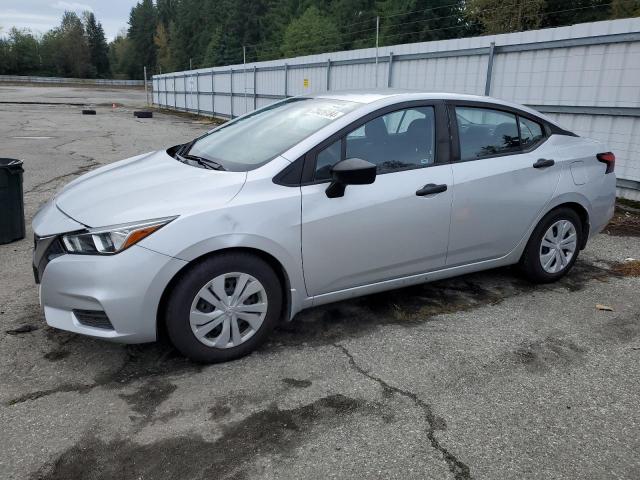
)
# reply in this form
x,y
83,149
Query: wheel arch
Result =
x,y
271,260
582,213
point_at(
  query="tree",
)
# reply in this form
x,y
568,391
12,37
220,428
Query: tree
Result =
x,y
121,55
97,43
166,11
142,29
70,52
625,8
22,52
313,32
421,20
557,13
161,40
212,54
496,16
356,22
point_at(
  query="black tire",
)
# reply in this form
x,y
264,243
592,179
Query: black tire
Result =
x,y
143,114
185,291
530,263
88,112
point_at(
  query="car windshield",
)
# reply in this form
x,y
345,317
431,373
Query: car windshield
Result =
x,y
255,139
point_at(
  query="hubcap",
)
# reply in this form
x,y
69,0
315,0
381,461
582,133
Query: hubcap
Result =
x,y
558,246
228,310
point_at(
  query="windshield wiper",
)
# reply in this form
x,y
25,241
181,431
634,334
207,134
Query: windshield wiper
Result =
x,y
186,147
204,162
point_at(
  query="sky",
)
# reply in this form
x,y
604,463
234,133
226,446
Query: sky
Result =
x,y
42,15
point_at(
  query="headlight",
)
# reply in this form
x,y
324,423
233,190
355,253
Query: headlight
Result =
x,y
111,240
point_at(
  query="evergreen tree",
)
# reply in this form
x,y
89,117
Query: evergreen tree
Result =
x,y
409,21
72,57
495,17
557,13
625,8
313,32
142,29
97,43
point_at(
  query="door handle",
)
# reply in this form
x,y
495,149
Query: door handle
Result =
x,y
543,163
431,188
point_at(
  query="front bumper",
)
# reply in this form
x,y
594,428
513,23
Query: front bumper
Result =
x,y
127,287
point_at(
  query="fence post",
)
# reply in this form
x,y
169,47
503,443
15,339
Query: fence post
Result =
x,y
146,89
255,87
231,90
286,78
197,93
328,73
166,97
175,93
389,69
487,86
213,94
184,83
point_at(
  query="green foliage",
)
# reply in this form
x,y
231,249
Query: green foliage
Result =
x,y
313,32
625,8
142,29
178,34
98,48
74,49
557,13
19,53
121,56
496,17
161,40
421,20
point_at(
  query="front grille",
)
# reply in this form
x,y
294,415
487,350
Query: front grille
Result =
x,y
45,249
93,318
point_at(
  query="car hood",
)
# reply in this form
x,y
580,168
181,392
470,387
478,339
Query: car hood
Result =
x,y
148,186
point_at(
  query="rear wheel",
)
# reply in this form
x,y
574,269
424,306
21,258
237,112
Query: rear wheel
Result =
x,y
224,307
553,247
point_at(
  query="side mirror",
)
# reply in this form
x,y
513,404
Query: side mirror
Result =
x,y
352,171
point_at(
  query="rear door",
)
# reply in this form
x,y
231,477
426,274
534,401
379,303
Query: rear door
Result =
x,y
504,175
384,230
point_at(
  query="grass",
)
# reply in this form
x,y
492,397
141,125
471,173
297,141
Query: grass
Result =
x,y
628,269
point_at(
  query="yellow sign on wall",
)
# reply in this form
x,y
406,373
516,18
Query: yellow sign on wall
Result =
x,y
306,83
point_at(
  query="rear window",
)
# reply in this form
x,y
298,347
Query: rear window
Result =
x,y
257,138
485,132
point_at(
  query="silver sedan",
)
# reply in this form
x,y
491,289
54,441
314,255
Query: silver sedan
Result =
x,y
312,200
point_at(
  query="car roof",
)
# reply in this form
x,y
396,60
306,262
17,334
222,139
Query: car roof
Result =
x,y
374,95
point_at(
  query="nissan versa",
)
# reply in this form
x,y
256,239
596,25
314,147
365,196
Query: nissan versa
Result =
x,y
308,201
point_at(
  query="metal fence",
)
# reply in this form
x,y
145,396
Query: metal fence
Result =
x,y
63,80
586,76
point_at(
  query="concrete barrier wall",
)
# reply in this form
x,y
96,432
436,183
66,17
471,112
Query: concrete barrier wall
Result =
x,y
63,80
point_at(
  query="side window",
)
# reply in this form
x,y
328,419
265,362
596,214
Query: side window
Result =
x,y
530,132
326,159
484,132
399,140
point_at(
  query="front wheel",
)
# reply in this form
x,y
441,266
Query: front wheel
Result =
x,y
223,307
553,247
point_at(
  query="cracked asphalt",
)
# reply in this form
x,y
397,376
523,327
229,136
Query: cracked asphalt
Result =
x,y
484,376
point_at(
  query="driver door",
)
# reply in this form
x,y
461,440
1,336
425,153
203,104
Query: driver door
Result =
x,y
388,229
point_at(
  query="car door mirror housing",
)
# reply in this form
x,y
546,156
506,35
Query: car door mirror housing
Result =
x,y
352,171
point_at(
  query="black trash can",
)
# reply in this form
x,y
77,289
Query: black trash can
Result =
x,y
11,201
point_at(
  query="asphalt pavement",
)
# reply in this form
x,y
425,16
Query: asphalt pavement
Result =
x,y
484,376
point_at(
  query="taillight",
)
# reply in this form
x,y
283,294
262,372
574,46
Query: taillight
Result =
x,y
609,159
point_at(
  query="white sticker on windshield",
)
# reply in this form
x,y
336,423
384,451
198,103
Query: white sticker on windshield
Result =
x,y
330,112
